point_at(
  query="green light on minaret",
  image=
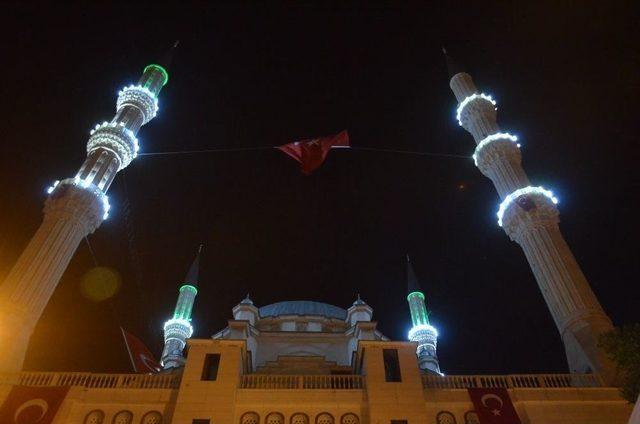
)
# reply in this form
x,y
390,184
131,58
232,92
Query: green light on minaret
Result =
x,y
160,69
185,302
419,315
189,287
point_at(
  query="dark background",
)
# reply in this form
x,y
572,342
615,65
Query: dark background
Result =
x,y
566,80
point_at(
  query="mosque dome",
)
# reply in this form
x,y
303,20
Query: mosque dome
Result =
x,y
302,307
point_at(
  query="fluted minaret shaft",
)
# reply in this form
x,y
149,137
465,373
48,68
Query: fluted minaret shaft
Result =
x,y
422,332
529,217
75,208
178,329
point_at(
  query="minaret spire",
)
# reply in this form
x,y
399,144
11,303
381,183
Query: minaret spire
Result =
x,y
452,66
422,331
194,269
167,57
74,208
529,217
178,329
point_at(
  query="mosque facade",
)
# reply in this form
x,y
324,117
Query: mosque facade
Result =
x,y
302,362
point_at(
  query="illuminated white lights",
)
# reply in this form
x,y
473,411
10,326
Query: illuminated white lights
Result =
x,y
106,206
86,185
522,192
425,329
179,326
53,187
141,98
117,138
468,100
491,138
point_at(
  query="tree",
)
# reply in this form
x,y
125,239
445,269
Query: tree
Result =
x,y
622,345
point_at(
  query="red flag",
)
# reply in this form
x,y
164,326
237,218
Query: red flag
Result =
x,y
141,358
31,405
312,153
494,406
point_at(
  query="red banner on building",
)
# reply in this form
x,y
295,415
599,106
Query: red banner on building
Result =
x,y
32,405
141,358
494,406
312,153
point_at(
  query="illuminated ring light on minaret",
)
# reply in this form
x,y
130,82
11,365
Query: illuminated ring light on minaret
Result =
x,y
494,138
469,99
539,192
116,138
141,98
421,331
85,185
178,326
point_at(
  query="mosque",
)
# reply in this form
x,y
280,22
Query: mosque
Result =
x,y
302,362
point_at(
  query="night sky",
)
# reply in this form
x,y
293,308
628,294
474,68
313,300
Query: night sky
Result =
x,y
566,81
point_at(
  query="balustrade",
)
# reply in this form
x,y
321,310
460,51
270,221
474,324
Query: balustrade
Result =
x,y
93,381
318,382
517,381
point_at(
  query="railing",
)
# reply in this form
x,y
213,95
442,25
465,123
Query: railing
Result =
x,y
510,381
331,382
93,381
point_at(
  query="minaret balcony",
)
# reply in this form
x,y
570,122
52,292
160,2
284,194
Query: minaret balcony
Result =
x,y
116,138
74,195
475,103
496,146
141,98
423,332
178,328
526,209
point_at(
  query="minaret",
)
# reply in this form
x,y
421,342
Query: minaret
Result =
x,y
529,217
422,331
178,329
74,208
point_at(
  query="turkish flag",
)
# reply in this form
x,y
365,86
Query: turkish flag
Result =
x,y
494,406
141,358
32,405
312,153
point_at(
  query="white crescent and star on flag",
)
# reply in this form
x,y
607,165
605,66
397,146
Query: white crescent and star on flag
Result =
x,y
496,410
39,403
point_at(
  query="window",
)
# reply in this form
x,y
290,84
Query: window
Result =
x,y
324,418
349,419
361,370
201,421
210,369
299,418
123,417
94,417
275,418
471,417
153,417
445,417
250,418
391,365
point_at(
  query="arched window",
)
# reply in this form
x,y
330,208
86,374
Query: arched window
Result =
x,y
471,417
94,417
250,418
299,418
123,417
153,417
445,417
324,418
275,418
349,419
